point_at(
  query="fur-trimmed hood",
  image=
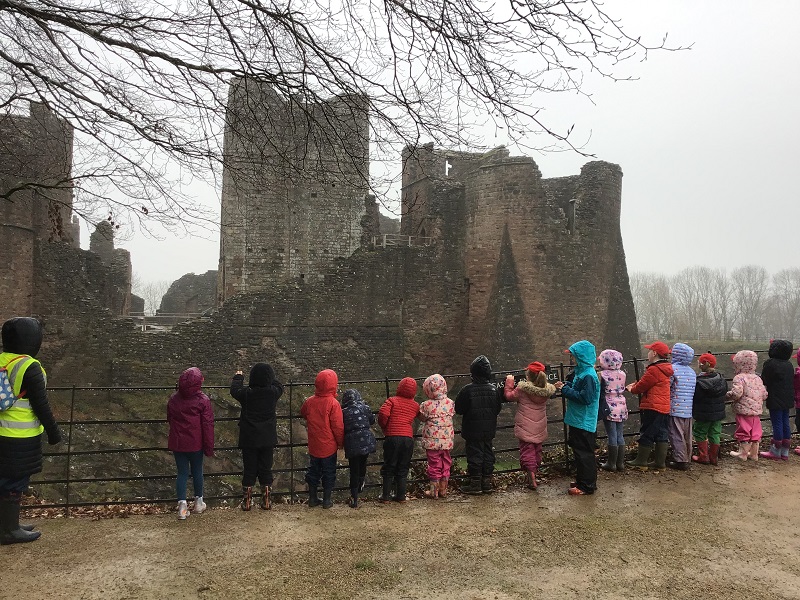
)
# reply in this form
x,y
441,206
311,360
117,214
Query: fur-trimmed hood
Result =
x,y
526,386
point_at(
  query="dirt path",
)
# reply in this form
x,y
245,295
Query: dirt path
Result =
x,y
720,533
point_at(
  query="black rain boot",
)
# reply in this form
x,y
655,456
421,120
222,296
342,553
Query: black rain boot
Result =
x,y
10,531
327,501
640,462
473,486
400,485
386,494
313,498
486,484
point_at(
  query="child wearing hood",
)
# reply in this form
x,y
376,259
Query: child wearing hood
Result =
x,y
323,416
530,423
654,407
583,403
258,434
479,404
359,441
437,433
612,380
396,418
708,410
797,398
748,394
681,397
778,377
191,436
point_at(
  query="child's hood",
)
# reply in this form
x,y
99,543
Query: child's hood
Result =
x,y
190,382
781,349
435,387
610,359
682,354
407,388
585,355
326,382
745,361
261,375
481,369
351,397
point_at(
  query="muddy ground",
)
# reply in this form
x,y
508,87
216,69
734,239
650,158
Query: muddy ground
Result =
x,y
729,533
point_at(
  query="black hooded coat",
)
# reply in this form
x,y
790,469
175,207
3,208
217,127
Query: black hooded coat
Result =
x,y
778,376
22,457
479,403
258,421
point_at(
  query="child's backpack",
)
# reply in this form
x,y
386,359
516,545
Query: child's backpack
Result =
x,y
7,396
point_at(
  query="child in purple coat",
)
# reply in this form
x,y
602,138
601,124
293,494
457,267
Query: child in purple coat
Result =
x,y
191,435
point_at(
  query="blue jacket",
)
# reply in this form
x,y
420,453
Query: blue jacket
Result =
x,y
682,385
358,437
583,393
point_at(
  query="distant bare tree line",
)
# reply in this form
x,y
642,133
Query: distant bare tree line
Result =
x,y
703,303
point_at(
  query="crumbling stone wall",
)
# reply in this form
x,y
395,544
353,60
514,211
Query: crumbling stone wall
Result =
x,y
191,294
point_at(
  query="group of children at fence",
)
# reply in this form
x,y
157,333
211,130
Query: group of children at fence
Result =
x,y
676,407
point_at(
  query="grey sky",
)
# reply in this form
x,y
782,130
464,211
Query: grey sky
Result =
x,y
706,139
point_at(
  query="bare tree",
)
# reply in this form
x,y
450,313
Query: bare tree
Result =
x,y
655,303
144,84
720,304
750,292
785,303
692,289
151,291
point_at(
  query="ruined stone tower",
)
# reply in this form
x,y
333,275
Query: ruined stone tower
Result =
x,y
294,188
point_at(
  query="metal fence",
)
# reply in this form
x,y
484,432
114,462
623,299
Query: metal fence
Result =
x,y
556,450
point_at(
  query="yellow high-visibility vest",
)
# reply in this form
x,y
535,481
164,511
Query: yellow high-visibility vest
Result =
x,y
19,421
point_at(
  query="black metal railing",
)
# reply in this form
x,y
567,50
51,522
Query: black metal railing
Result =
x,y
555,450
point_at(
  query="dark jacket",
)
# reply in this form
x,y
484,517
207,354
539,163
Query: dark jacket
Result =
x,y
22,457
709,397
190,416
479,403
778,376
258,419
358,437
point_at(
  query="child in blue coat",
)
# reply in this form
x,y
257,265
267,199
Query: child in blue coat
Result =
x,y
359,441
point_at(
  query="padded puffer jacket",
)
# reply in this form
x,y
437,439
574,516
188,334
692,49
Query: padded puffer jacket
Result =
x,y
778,376
479,403
683,380
654,387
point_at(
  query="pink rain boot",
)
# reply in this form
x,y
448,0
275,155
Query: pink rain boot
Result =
x,y
774,452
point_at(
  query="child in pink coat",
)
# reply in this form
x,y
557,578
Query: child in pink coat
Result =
x,y
437,433
748,394
530,423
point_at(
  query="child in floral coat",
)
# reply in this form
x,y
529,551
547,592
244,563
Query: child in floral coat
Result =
x,y
437,433
612,375
748,394
530,423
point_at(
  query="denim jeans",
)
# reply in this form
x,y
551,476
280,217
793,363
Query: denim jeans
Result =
x,y
321,468
184,461
614,432
781,430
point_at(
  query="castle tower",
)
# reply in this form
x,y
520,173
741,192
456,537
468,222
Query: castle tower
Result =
x,y
35,169
294,186
543,260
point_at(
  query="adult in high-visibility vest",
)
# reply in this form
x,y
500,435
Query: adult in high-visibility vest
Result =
x,y
22,425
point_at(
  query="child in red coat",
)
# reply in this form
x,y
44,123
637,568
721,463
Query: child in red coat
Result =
x,y
396,417
323,416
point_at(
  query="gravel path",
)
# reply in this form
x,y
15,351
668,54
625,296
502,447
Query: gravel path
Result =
x,y
726,533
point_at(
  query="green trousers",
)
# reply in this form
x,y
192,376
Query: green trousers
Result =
x,y
707,430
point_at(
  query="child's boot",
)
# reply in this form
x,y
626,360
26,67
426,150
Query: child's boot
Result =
x,y
473,486
744,451
400,484
486,485
353,501
659,456
247,498
386,493
621,458
640,462
532,485
702,453
785,449
713,454
327,500
266,504
433,489
611,462
313,498
754,447
774,452
443,488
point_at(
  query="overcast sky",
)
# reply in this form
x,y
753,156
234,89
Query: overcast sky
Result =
x,y
706,138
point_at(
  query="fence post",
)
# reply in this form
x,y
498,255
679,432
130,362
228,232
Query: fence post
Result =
x,y
291,446
563,415
387,386
69,448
